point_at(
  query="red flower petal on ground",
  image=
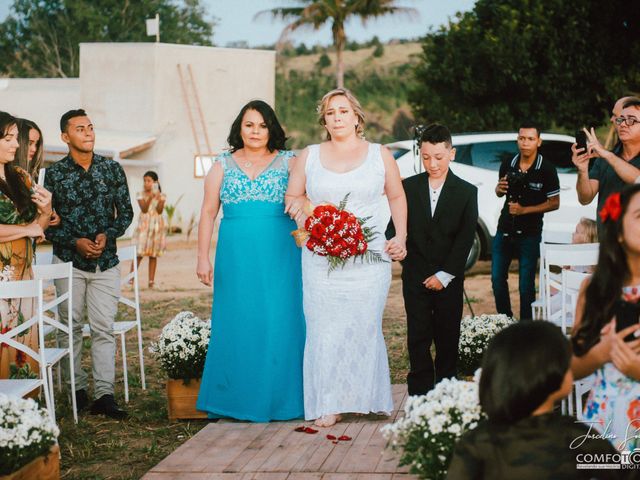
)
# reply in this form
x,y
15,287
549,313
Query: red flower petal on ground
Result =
x,y
299,429
331,437
344,438
310,430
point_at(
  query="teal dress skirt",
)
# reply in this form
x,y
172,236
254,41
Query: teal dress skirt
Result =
x,y
253,369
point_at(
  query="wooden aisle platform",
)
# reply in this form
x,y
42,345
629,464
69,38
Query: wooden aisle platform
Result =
x,y
229,450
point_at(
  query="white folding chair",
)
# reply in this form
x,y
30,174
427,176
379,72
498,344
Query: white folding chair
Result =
x,y
49,273
575,255
21,387
45,258
571,282
121,328
554,237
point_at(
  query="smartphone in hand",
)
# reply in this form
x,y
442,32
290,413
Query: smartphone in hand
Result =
x,y
41,177
628,314
581,140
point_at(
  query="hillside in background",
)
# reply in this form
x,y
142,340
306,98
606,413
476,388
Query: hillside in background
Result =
x,y
379,75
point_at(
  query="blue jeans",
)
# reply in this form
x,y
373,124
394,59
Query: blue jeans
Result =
x,y
526,248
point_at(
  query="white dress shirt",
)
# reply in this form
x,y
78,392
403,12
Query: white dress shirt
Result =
x,y
434,194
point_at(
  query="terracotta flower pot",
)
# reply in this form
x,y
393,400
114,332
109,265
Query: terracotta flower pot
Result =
x,y
46,467
181,399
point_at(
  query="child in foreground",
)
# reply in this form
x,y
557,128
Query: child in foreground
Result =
x,y
525,371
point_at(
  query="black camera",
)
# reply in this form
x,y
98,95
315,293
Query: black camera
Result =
x,y
516,185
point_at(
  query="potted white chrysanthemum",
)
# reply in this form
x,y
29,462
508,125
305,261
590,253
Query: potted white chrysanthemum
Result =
x,y
28,437
181,350
475,333
432,424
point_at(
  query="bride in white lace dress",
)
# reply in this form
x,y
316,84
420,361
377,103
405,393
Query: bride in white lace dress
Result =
x,y
345,358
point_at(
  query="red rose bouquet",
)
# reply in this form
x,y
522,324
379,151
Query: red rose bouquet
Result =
x,y
337,234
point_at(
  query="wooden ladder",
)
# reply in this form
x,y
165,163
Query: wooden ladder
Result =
x,y
196,117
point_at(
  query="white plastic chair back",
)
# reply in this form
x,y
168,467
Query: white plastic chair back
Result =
x,y
26,289
48,273
121,328
574,255
569,289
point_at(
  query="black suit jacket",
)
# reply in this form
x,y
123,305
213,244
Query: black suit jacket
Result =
x,y
441,242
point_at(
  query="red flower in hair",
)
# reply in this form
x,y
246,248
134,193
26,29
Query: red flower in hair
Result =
x,y
612,208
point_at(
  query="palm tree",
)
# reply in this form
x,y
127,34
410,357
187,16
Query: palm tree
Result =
x,y
315,13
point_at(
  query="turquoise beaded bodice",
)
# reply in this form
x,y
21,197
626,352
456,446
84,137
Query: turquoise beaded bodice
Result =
x,y
269,186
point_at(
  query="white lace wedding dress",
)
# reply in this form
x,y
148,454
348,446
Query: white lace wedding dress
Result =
x,y
345,357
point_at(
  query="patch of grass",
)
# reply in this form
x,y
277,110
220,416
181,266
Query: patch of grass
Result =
x,y
100,448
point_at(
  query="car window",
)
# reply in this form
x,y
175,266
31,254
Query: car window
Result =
x,y
398,152
558,153
463,154
490,155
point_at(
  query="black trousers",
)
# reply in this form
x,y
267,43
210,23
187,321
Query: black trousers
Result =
x,y
432,317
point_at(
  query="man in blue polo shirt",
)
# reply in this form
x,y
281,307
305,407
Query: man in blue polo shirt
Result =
x,y
531,186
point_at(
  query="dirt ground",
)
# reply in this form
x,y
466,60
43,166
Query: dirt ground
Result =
x,y
176,278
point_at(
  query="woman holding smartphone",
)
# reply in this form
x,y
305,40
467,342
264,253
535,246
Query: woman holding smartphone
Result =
x,y
150,235
604,339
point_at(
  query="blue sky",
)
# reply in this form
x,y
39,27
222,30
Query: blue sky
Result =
x,y
236,23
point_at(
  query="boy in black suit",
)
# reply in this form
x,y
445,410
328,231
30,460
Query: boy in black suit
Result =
x,y
442,218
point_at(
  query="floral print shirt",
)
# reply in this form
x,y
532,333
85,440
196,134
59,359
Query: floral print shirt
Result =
x,y
89,202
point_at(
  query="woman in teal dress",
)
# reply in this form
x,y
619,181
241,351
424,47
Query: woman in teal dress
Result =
x,y
253,369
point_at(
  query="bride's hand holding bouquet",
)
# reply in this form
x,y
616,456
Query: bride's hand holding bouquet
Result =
x,y
335,233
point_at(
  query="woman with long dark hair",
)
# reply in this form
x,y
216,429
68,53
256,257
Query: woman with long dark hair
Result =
x,y
253,369
608,302
25,210
150,234
30,153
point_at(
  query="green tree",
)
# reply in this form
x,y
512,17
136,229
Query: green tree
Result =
x,y
378,51
324,61
559,63
316,13
41,38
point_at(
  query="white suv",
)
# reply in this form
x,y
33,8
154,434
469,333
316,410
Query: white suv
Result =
x,y
478,159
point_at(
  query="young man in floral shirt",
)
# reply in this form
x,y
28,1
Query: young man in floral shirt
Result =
x,y
91,195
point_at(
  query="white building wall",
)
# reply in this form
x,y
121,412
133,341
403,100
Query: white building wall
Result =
x,y
42,100
136,87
